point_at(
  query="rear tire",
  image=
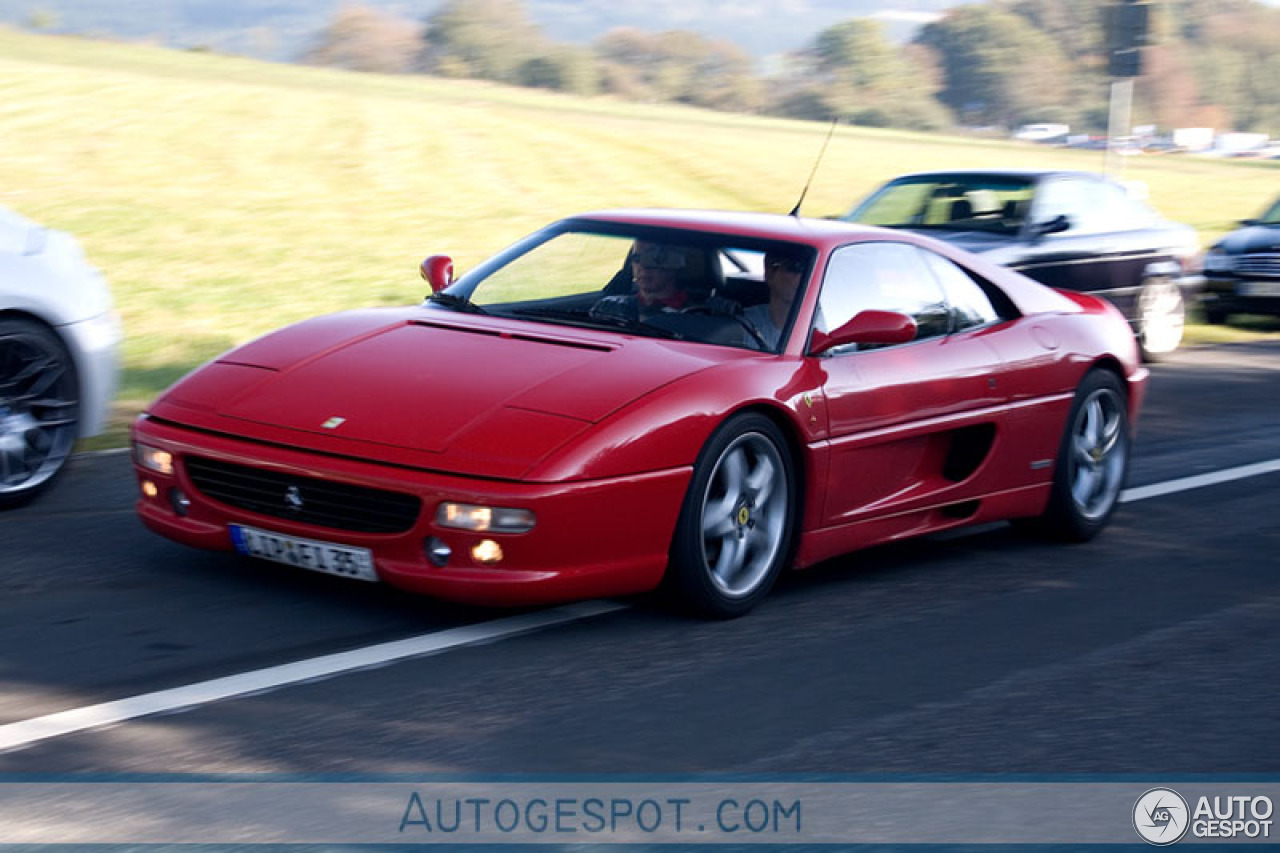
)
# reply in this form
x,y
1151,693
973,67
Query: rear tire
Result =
x,y
39,409
1093,460
737,525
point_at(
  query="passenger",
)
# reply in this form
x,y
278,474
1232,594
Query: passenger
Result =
x,y
782,272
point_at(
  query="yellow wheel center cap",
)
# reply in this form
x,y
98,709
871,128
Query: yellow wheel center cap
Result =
x,y
744,515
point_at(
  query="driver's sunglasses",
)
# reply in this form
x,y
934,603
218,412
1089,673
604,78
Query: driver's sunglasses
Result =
x,y
789,264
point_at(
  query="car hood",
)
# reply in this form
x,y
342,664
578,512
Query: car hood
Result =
x,y
1252,238
479,396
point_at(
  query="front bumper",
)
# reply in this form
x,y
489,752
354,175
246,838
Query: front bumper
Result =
x,y
95,347
592,538
1230,294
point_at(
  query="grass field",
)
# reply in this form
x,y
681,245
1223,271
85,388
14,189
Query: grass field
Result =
x,y
224,197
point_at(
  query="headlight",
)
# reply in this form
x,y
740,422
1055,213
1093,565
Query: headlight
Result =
x,y
153,459
1216,260
485,518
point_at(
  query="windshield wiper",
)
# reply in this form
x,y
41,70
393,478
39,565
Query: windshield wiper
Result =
x,y
457,303
556,313
633,325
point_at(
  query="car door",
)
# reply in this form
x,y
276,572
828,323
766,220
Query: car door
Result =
x,y
908,424
1082,255
1142,244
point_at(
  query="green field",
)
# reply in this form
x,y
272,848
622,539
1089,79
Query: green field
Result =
x,y
224,197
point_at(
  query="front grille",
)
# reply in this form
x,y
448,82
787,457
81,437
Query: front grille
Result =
x,y
304,499
1261,264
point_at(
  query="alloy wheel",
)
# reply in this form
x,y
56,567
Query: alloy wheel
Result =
x,y
744,515
38,408
1099,453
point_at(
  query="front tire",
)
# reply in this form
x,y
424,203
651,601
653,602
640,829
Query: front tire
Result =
x,y
1093,460
1162,315
737,524
39,409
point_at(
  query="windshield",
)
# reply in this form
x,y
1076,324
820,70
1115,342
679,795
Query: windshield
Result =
x,y
993,203
1272,216
665,283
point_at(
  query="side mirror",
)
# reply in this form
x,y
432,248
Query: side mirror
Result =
x,y
1057,225
438,271
866,327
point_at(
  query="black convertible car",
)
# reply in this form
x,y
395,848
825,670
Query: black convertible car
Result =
x,y
1242,270
1073,230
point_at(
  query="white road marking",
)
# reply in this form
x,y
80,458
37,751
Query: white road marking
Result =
x,y
1199,481
25,732
110,451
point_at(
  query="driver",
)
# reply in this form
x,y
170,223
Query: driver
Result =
x,y
657,271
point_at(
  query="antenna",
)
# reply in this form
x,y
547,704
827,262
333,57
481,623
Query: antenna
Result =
x,y
795,211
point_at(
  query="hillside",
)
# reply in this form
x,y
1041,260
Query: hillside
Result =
x,y
281,29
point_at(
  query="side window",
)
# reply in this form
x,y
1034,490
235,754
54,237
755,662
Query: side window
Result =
x,y
1119,211
886,277
1062,197
970,305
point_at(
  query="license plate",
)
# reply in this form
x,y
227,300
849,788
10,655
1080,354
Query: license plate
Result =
x,y
1258,288
341,560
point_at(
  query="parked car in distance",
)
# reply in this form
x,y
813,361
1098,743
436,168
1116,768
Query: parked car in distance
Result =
x,y
605,407
1070,230
59,342
1242,270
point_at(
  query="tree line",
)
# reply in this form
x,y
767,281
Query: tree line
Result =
x,y
1002,63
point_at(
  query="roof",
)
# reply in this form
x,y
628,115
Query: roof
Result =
x,y
769,226
1027,174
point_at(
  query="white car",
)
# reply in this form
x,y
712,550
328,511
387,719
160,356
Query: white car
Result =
x,y
59,354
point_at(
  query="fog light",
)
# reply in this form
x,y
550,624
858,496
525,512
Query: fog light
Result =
x,y
179,501
487,553
485,518
150,489
154,459
437,552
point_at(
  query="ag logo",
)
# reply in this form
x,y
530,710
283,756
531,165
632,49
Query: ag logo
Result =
x,y
1160,816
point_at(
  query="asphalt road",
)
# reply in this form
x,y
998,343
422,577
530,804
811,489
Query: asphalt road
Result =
x,y
1154,649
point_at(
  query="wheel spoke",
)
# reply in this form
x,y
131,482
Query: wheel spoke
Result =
x,y
729,562
717,525
1085,486
37,412
1110,435
760,482
1083,450
49,377
1092,422
733,474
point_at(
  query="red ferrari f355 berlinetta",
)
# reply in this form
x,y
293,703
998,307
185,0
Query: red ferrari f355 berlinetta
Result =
x,y
631,398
